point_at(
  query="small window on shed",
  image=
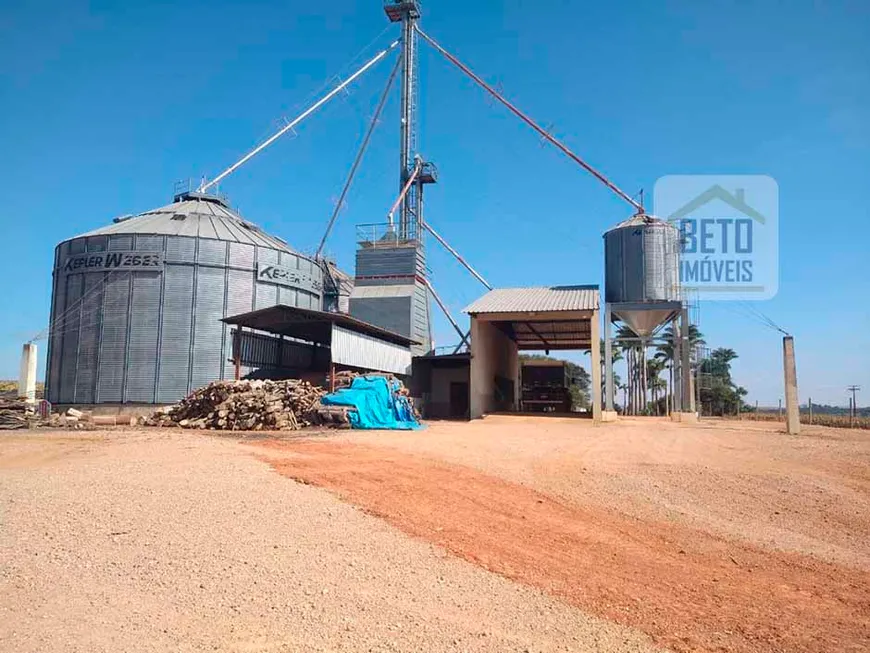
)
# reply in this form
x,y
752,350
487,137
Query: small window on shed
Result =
x,y
178,216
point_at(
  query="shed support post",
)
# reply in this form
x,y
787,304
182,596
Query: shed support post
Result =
x,y
237,354
331,377
595,344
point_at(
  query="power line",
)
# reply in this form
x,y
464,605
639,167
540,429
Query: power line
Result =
x,y
59,320
359,156
531,123
383,53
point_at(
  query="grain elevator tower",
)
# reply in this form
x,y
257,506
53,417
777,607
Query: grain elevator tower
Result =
x,y
390,286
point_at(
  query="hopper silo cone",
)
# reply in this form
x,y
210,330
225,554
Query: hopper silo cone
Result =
x,y
642,263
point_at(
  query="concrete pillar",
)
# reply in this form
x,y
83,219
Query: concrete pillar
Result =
x,y
595,337
792,410
27,373
608,361
479,371
493,354
688,398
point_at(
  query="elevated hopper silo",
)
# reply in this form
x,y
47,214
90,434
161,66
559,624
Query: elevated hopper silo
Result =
x,y
642,290
642,271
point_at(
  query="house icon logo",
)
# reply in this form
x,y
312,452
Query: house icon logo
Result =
x,y
736,201
729,235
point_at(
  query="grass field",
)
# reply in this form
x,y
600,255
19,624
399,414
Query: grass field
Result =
x,y
823,419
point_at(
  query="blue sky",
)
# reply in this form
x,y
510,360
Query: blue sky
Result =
x,y
104,105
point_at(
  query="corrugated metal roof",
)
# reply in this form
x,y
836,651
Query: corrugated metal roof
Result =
x,y
194,215
554,298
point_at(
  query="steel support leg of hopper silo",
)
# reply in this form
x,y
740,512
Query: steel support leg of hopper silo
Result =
x,y
792,410
609,414
676,360
688,413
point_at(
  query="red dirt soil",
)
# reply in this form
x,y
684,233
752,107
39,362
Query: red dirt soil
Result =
x,y
688,589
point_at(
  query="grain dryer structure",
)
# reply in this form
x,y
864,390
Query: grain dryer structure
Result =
x,y
137,305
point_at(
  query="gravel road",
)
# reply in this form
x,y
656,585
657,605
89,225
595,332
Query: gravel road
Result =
x,y
165,540
739,480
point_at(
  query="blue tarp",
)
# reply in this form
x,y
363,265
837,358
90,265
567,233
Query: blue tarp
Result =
x,y
378,404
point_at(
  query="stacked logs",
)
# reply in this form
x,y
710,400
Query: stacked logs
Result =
x,y
16,415
250,406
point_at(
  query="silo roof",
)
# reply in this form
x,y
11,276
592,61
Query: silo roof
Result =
x,y
639,219
196,215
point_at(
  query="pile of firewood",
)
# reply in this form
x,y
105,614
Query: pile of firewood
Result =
x,y
251,406
344,379
16,415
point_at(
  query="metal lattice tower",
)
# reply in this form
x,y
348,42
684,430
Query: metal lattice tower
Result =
x,y
410,211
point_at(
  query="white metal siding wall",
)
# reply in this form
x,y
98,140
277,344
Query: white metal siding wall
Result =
x,y
369,353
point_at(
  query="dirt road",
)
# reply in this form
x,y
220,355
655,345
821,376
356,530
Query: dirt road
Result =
x,y
508,534
708,538
175,541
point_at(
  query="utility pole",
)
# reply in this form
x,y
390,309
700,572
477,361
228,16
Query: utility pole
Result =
x,y
853,403
792,409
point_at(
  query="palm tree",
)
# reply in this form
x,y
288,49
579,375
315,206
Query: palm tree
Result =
x,y
665,353
654,367
634,353
616,355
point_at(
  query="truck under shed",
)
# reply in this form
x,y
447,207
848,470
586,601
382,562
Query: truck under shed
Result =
x,y
306,343
506,321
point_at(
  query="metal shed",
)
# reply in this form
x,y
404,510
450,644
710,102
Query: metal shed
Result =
x,y
334,339
506,321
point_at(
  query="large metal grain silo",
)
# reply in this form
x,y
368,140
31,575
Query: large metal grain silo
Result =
x,y
136,305
642,270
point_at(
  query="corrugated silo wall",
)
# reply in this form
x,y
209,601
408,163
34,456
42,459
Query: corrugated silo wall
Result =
x,y
123,332
641,263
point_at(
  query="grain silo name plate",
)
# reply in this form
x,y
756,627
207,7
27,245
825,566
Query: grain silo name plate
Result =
x,y
107,261
286,277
